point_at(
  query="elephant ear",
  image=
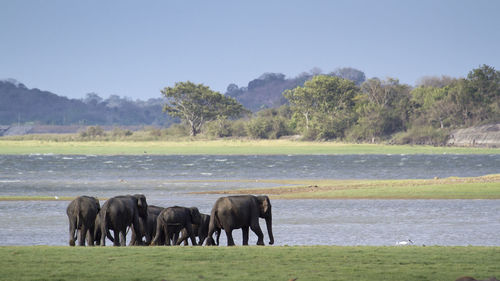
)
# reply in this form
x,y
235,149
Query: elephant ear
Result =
x,y
96,202
264,205
141,200
195,214
142,205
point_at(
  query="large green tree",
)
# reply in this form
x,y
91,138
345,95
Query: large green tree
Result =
x,y
197,104
383,108
484,90
431,106
325,104
462,102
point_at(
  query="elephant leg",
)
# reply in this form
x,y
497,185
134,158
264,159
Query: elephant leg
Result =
x,y
123,238
245,235
256,228
218,235
103,240
210,240
229,235
133,240
201,239
103,234
149,234
175,239
82,235
72,230
116,236
183,237
157,240
137,233
90,237
168,236
189,229
161,236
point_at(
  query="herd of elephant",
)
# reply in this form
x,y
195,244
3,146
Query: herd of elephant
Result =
x,y
152,225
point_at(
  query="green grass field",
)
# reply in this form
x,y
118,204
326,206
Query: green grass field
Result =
x,y
223,147
414,263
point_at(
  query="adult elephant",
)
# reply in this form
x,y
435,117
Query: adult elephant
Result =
x,y
147,227
118,213
244,211
172,220
82,212
200,230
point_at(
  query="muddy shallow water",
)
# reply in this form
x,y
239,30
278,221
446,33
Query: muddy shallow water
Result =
x,y
165,180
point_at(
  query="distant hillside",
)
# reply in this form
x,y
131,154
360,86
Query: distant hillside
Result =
x,y
24,106
266,91
20,105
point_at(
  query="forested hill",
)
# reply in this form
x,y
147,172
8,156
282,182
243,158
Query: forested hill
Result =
x,y
21,105
266,91
18,104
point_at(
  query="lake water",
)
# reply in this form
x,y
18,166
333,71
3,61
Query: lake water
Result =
x,y
166,180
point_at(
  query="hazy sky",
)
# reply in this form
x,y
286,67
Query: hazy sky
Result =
x,y
135,48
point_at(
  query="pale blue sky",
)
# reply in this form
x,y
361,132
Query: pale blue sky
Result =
x,y
135,48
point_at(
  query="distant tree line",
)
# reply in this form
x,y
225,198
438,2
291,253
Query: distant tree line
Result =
x,y
331,107
340,105
20,105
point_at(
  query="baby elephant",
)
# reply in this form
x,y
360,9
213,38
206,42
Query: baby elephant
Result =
x,y
200,230
147,227
81,214
172,220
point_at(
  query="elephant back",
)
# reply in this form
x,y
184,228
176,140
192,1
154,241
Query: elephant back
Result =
x,y
83,208
175,215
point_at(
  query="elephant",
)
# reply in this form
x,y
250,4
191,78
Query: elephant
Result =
x,y
172,220
200,230
82,212
118,213
147,227
241,211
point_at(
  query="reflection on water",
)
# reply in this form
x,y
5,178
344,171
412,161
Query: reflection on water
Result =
x,y
166,180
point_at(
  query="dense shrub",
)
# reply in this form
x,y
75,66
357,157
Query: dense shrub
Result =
x,y
427,135
176,130
120,133
92,132
267,128
219,128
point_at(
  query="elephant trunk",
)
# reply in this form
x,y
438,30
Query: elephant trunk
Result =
x,y
269,224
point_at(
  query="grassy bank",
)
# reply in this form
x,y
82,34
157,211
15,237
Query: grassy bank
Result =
x,y
248,263
224,147
484,187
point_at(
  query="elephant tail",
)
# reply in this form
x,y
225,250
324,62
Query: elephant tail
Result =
x,y
79,220
212,226
104,221
104,225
